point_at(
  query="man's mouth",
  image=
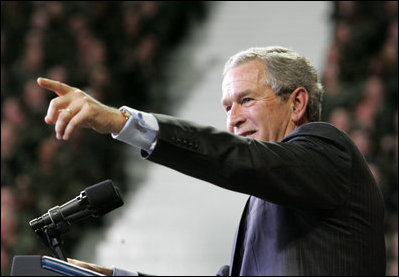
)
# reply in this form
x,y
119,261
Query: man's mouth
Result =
x,y
247,134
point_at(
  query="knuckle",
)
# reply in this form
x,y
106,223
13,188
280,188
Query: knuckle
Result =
x,y
86,107
59,127
63,118
54,103
60,122
85,102
72,123
79,93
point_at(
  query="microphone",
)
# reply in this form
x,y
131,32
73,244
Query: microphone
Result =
x,y
95,201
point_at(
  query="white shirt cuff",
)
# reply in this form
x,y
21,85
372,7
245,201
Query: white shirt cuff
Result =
x,y
140,130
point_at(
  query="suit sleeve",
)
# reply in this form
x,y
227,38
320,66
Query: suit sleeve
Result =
x,y
306,172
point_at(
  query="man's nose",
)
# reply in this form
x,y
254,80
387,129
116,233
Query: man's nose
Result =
x,y
236,117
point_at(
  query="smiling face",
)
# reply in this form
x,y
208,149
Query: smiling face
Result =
x,y
253,110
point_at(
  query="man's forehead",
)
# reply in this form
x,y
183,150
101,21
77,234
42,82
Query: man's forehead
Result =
x,y
248,72
251,76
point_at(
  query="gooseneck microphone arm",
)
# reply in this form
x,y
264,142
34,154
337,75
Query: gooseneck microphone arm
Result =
x,y
73,210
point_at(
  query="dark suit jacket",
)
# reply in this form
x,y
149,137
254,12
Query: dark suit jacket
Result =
x,y
314,207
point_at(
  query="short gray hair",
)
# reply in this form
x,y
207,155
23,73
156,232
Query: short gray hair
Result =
x,y
285,70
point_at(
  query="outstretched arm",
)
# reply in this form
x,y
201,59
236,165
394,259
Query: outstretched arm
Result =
x,y
74,108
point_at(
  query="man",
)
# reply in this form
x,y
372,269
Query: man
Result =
x,y
314,207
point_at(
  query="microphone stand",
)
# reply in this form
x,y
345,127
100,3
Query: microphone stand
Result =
x,y
94,201
50,235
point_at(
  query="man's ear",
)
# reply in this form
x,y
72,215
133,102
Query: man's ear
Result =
x,y
299,102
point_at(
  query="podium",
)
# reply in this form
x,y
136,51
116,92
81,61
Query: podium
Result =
x,y
35,265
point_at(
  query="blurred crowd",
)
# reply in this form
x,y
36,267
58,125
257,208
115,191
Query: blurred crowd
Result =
x,y
114,51
361,81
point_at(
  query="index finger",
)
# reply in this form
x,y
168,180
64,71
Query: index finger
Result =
x,y
56,86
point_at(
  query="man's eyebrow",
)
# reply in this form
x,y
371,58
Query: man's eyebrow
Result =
x,y
239,95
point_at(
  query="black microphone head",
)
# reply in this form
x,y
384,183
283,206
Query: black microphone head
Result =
x,y
103,197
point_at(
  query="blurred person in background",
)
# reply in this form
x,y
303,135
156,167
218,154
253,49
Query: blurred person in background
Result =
x,y
340,118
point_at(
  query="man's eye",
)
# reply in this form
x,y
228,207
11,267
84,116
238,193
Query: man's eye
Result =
x,y
246,100
227,108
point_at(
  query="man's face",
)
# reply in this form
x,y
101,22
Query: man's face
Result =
x,y
253,110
